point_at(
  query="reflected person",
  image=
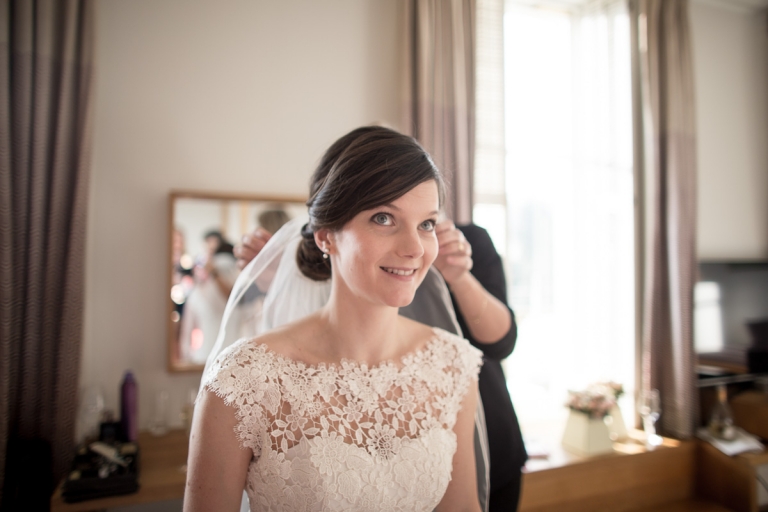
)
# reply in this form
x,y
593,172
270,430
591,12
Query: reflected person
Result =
x,y
205,305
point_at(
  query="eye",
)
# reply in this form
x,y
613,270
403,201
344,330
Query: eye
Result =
x,y
383,219
428,225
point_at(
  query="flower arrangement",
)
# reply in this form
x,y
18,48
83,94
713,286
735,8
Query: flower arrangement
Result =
x,y
597,400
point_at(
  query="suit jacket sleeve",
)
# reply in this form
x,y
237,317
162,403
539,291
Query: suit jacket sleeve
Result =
x,y
489,271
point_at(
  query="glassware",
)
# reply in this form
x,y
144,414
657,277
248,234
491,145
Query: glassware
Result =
x,y
188,409
89,413
650,410
187,412
159,425
721,419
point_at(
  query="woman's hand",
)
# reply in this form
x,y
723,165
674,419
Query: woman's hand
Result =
x,y
454,257
487,318
250,246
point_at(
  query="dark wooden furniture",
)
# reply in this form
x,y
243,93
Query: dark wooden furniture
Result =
x,y
730,481
629,479
162,475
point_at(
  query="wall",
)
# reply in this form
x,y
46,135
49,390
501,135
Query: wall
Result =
x,y
244,95
730,46
226,95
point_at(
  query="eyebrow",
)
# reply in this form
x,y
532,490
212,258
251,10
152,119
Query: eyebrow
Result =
x,y
390,205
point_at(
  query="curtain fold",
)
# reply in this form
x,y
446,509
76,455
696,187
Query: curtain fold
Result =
x,y
46,57
667,152
440,92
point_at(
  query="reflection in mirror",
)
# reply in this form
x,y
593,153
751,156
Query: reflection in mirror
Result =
x,y
204,227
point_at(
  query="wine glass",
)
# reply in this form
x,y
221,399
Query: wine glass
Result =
x,y
650,410
90,412
188,409
187,412
159,425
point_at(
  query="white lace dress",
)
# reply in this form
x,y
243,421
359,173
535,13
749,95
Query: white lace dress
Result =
x,y
347,436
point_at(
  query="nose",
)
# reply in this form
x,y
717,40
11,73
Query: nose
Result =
x,y
410,244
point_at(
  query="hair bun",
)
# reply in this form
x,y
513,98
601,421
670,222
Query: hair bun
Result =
x,y
366,168
309,257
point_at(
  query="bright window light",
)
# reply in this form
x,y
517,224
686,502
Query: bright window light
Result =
x,y
707,317
568,242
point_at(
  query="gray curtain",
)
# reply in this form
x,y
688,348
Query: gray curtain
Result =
x,y
667,188
46,56
440,92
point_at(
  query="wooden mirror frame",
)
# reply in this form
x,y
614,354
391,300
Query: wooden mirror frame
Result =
x,y
175,363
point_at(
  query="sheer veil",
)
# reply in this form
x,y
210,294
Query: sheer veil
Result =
x,y
269,292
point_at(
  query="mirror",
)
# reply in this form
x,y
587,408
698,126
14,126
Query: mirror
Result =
x,y
203,228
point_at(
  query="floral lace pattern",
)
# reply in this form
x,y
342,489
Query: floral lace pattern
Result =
x,y
347,436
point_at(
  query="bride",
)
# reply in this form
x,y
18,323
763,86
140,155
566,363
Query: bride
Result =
x,y
353,407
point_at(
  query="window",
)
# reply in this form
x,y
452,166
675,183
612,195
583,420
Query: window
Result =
x,y
565,222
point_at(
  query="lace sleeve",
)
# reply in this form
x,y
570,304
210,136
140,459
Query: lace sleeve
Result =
x,y
463,361
469,359
242,377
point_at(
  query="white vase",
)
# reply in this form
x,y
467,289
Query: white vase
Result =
x,y
585,435
616,425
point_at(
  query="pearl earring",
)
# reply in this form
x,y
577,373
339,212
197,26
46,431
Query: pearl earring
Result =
x,y
325,251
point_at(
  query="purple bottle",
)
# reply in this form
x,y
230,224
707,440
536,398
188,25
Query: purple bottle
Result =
x,y
129,401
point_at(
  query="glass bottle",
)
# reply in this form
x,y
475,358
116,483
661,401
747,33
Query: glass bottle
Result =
x,y
721,419
129,402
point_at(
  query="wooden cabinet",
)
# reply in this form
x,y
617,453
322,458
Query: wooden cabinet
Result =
x,y
629,479
731,481
750,412
162,475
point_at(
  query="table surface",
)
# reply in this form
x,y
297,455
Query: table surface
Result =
x,y
163,460
162,475
558,456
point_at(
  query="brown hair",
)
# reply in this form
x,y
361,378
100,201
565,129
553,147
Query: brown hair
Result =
x,y
273,218
368,167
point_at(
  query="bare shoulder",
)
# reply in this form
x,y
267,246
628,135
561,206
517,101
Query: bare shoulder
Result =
x,y
448,341
415,334
419,331
290,340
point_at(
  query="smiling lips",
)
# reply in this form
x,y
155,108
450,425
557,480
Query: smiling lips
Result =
x,y
399,272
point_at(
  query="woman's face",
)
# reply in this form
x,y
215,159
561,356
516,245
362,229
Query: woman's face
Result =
x,y
383,254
